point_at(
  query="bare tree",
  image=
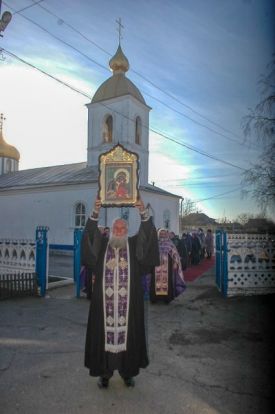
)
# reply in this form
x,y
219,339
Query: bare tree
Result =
x,y
188,207
259,125
243,218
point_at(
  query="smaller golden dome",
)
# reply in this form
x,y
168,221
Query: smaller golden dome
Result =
x,y
119,62
6,150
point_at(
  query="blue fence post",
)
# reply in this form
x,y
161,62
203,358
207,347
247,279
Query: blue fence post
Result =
x,y
225,265
77,259
218,258
41,257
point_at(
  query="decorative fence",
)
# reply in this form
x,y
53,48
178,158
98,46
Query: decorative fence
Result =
x,y
18,284
21,258
245,263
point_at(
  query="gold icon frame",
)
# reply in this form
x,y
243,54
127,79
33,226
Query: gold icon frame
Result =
x,y
118,177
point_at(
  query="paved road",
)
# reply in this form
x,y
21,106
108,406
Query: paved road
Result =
x,y
60,265
208,355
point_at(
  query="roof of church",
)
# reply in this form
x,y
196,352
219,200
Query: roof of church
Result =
x,y
118,85
58,174
66,174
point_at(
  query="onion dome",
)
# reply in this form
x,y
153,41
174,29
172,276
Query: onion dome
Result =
x,y
118,84
119,62
6,150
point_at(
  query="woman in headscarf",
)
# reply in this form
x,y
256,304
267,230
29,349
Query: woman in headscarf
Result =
x,y
167,279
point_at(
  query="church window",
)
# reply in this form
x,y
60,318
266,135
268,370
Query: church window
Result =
x,y
22,255
8,166
108,129
166,219
80,215
138,131
124,213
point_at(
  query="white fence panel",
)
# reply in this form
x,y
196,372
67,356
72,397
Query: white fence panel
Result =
x,y
251,264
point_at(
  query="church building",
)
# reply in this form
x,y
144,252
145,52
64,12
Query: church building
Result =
x,y
61,197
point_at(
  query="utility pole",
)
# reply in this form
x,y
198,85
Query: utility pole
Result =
x,y
5,19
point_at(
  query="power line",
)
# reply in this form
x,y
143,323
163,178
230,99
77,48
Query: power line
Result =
x,y
60,40
190,147
45,73
142,76
25,8
196,178
199,123
218,195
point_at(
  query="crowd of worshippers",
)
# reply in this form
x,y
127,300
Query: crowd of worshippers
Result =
x,y
166,281
194,246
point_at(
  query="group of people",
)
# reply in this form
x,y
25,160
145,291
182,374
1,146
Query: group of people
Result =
x,y
194,246
120,271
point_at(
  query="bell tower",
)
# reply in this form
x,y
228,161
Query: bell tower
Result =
x,y
118,113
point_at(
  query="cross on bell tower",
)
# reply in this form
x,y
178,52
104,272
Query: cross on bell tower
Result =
x,y
2,119
119,29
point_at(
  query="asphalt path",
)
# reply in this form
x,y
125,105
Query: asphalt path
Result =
x,y
208,355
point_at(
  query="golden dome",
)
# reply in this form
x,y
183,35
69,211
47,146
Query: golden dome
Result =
x,y
6,150
118,84
119,62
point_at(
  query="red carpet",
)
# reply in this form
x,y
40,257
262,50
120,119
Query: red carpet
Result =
x,y
194,271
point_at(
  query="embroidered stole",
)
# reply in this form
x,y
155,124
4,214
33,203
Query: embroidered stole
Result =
x,y
161,277
116,296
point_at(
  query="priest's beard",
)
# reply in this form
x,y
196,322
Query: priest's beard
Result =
x,y
118,242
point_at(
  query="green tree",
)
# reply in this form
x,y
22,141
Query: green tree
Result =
x,y
259,126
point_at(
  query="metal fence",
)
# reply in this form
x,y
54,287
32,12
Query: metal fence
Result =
x,y
18,284
245,263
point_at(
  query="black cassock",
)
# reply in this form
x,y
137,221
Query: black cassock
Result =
x,y
144,255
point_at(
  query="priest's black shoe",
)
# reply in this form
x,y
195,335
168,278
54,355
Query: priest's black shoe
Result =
x,y
129,382
103,382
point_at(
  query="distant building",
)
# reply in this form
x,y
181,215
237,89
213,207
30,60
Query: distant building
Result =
x,y
61,197
193,221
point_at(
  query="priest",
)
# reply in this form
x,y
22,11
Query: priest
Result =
x,y
115,337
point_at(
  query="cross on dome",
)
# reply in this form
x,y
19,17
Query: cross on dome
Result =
x,y
2,119
119,29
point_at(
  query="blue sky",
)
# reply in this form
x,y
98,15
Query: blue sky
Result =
x,y
203,57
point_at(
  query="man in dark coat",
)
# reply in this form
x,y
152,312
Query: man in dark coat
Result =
x,y
115,338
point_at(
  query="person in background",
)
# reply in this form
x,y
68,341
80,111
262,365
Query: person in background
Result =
x,y
196,249
201,236
209,243
115,337
167,280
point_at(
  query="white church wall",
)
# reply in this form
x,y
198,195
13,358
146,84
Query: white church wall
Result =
x,y
22,211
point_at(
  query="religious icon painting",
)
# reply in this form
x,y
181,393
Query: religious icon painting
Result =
x,y
118,177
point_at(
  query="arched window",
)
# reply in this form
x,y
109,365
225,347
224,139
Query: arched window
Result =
x,y
8,166
166,219
138,131
79,215
108,129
